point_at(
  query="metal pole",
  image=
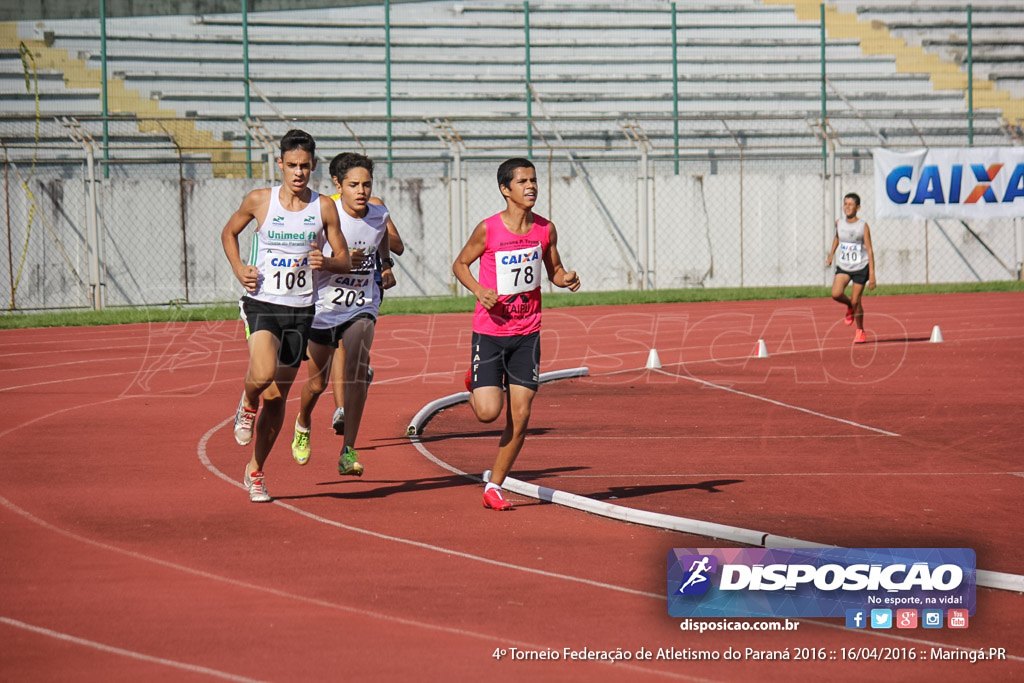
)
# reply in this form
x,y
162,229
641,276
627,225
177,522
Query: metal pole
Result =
x,y
7,205
93,232
1018,244
457,167
387,76
645,227
529,93
675,89
970,76
824,100
927,255
245,82
103,84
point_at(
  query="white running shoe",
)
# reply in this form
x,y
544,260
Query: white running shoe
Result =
x,y
244,421
338,421
257,489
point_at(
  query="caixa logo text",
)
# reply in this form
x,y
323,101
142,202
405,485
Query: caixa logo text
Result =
x,y
945,184
830,577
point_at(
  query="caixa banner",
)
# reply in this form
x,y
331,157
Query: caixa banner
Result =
x,y
967,182
817,582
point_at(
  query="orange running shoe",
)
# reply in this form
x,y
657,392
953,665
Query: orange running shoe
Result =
x,y
849,315
860,337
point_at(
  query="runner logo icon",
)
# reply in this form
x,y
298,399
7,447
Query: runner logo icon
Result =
x,y
695,581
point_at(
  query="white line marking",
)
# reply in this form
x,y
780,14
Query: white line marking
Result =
x,y
205,460
690,475
990,579
712,385
489,638
539,437
131,654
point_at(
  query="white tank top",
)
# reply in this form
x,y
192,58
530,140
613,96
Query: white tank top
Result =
x,y
851,255
342,297
280,251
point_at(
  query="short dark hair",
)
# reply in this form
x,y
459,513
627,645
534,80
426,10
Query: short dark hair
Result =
x,y
508,169
346,161
854,196
298,139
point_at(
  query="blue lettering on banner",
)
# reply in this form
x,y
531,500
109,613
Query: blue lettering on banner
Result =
x,y
1015,186
892,182
954,184
930,185
816,582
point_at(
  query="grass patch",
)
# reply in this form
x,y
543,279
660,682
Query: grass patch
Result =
x,y
465,304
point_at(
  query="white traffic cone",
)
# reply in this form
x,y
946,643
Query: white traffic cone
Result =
x,y
936,337
761,351
653,360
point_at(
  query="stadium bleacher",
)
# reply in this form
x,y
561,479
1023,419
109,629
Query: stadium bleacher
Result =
x,y
746,59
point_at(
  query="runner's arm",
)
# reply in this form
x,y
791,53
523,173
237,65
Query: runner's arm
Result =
x,y
397,246
871,257
247,275
473,250
557,274
835,245
339,262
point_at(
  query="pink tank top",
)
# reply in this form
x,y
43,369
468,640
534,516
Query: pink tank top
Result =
x,y
511,265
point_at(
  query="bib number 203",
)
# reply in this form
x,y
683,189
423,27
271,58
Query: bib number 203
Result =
x,y
348,298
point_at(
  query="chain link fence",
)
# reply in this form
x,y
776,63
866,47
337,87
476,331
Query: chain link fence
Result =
x,y
145,231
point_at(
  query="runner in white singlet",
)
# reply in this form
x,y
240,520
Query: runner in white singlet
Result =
x,y
347,309
855,262
293,222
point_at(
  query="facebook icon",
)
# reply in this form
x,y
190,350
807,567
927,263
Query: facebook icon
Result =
x,y
856,618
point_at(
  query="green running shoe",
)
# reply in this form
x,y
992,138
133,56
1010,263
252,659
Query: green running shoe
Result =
x,y
348,463
300,445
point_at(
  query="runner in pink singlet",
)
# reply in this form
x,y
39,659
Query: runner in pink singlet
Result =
x,y
510,265
511,247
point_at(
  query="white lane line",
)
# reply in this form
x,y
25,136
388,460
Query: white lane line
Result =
x,y
562,498
540,437
722,387
205,460
486,637
990,579
691,475
131,654
595,358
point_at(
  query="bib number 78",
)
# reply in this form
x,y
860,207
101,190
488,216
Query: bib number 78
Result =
x,y
516,271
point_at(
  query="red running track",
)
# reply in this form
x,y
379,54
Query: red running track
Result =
x,y
131,551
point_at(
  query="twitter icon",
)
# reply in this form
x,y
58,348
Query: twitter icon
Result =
x,y
881,618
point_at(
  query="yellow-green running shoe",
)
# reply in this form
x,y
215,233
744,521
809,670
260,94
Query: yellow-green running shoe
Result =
x,y
348,463
300,445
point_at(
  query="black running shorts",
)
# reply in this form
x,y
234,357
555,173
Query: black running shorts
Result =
x,y
331,336
497,360
289,324
858,276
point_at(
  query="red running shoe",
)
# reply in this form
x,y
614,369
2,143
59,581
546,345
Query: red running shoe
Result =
x,y
860,337
849,316
469,380
495,500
